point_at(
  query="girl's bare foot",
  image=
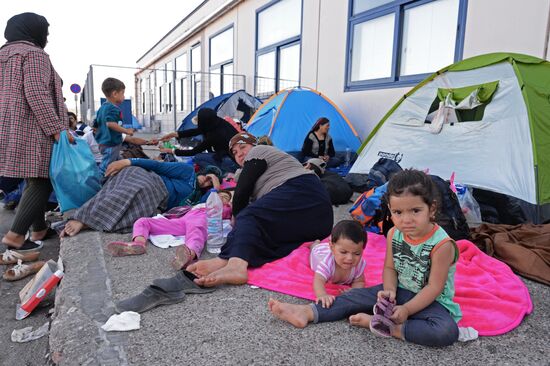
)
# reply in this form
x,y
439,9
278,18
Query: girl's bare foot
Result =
x,y
207,266
72,228
297,315
183,257
360,320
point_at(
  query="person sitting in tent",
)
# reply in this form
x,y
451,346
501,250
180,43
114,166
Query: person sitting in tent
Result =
x,y
277,205
318,144
217,133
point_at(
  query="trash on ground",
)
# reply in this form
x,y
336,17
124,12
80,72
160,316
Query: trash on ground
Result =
x,y
127,320
27,334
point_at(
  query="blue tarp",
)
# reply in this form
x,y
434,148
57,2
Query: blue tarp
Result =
x,y
290,115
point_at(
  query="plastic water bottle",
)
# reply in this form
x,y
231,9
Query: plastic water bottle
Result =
x,y
214,209
348,157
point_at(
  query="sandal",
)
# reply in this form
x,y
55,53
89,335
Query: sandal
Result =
x,y
21,270
383,307
381,326
184,257
122,249
28,246
11,257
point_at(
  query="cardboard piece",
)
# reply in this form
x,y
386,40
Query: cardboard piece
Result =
x,y
38,288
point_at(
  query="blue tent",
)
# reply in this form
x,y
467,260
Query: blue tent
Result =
x,y
226,105
288,116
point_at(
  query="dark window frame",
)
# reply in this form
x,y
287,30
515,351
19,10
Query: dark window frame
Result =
x,y
398,8
277,47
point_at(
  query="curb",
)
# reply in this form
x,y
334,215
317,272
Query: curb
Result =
x,y
83,302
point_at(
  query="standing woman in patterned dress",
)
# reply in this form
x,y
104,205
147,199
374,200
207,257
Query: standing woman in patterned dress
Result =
x,y
32,114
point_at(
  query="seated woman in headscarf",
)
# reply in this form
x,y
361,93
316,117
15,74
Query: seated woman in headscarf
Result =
x,y
277,206
216,135
318,144
138,188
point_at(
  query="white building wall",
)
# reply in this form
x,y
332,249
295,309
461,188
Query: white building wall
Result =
x,y
491,26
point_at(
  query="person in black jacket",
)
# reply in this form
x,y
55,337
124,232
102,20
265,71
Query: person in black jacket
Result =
x,y
318,144
216,135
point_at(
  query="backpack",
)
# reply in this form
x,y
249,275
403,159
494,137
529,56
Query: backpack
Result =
x,y
450,216
368,209
379,174
382,171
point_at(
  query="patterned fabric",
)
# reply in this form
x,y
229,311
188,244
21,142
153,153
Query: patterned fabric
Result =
x,y
31,110
131,194
322,261
412,261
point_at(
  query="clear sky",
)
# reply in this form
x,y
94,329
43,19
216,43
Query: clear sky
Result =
x,y
115,32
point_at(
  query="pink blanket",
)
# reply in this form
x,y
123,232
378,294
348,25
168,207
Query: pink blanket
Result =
x,y
492,298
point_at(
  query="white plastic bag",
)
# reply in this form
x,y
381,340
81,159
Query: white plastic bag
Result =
x,y
468,204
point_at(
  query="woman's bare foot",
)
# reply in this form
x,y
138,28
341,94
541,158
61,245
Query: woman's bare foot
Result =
x,y
207,266
72,228
13,240
235,272
224,276
360,320
297,315
38,235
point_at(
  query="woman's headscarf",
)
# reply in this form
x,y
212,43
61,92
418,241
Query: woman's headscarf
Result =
x,y
27,27
242,138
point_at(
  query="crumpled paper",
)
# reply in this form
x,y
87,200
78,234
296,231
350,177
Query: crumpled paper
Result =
x,y
125,321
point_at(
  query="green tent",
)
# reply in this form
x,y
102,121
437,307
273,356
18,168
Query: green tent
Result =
x,y
486,118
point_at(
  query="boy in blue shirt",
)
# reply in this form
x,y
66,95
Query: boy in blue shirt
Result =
x,y
109,132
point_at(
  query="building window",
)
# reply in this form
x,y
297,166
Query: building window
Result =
x,y
278,47
182,74
400,42
221,62
196,76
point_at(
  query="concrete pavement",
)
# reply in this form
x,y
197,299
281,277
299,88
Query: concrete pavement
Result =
x,y
233,325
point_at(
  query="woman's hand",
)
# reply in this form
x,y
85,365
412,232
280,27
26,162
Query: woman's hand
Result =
x,y
116,167
325,300
152,142
169,136
325,158
69,136
400,314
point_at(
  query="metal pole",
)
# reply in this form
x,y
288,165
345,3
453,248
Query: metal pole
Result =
x,y
76,105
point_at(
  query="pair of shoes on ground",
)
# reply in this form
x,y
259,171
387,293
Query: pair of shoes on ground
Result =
x,y
163,291
381,324
12,257
20,270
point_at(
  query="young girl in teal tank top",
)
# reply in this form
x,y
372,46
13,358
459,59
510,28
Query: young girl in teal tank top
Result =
x,y
415,302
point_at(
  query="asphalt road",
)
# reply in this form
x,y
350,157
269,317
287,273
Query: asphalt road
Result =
x,y
33,352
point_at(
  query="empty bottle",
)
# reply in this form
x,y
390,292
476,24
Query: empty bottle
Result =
x,y
214,209
348,156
